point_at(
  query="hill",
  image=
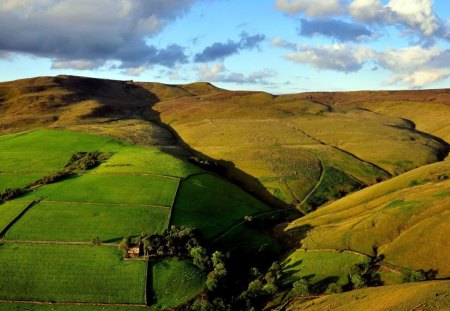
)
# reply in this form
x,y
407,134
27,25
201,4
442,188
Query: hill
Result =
x,y
47,232
367,171
417,296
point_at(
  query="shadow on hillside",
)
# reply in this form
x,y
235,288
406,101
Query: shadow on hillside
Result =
x,y
140,107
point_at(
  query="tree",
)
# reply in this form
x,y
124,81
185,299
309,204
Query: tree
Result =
x,y
123,246
334,288
200,258
300,288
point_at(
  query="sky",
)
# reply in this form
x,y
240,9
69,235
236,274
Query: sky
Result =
x,y
278,46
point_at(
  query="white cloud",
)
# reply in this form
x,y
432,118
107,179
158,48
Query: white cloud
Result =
x,y
309,7
420,78
338,57
414,66
279,42
366,10
417,14
218,73
78,64
407,59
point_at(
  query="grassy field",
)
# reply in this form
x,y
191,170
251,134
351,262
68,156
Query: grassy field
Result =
x,y
48,150
175,282
434,295
428,117
52,273
15,181
116,189
149,161
9,211
278,140
405,219
212,204
322,267
73,222
7,306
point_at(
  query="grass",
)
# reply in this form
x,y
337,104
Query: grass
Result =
x,y
15,181
149,161
212,204
429,117
48,150
334,185
321,267
7,306
175,282
404,221
9,211
277,140
70,274
126,189
72,222
434,295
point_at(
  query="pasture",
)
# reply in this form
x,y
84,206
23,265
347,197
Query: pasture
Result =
x,y
70,274
9,211
75,222
115,189
403,218
175,282
212,204
321,267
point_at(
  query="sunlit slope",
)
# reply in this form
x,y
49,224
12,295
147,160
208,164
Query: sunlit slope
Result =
x,y
47,233
108,107
406,219
434,295
292,145
432,118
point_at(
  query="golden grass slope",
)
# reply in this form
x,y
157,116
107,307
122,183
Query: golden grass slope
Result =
x,y
424,296
407,219
288,143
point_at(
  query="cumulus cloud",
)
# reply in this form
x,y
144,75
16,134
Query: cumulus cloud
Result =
x,y
84,34
338,57
415,16
413,66
281,43
309,7
218,73
334,28
219,50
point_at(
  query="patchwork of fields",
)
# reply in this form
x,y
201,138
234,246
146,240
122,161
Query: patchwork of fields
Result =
x,y
47,254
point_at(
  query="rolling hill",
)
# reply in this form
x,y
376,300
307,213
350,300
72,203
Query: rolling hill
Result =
x,y
340,179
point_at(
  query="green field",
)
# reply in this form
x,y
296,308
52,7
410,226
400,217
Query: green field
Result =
x,y
70,273
9,211
73,222
321,267
116,189
138,160
15,181
175,282
211,204
7,306
403,218
48,150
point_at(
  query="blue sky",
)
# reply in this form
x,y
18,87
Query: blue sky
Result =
x,y
279,46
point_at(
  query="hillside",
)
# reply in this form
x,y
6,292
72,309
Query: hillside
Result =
x,y
342,180
428,296
47,232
